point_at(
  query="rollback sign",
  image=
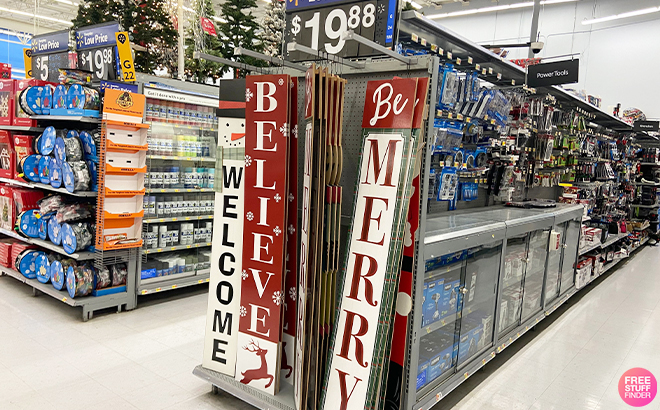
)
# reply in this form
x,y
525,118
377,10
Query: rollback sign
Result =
x,y
352,379
262,294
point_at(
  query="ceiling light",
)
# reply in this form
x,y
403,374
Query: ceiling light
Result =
x,y
70,3
15,33
622,15
36,16
413,3
503,7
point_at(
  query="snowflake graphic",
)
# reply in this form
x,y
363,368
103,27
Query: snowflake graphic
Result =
x,y
291,229
280,81
248,161
277,231
292,292
244,275
278,298
277,198
4,106
291,198
294,132
284,129
249,216
243,311
248,95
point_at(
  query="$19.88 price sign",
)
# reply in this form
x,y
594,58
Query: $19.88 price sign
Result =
x,y
319,25
100,61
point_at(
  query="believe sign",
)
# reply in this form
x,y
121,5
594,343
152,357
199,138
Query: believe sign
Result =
x,y
353,377
264,239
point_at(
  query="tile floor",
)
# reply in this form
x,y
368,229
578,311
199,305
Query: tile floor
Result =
x,y
144,359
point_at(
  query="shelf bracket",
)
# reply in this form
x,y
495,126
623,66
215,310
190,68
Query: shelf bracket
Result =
x,y
225,61
351,35
293,46
240,51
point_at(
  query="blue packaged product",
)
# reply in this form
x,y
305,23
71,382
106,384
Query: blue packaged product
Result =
x,y
44,169
54,231
43,225
55,174
59,96
89,145
75,97
47,141
42,266
30,167
25,263
58,271
445,355
422,371
28,223
432,301
32,100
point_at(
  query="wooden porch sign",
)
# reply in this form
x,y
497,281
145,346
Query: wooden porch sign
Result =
x,y
367,295
262,293
222,318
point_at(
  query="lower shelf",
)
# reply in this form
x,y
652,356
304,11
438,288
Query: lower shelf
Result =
x,y
88,303
167,283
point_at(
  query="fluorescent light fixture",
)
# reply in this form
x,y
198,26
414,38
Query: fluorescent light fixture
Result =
x,y
622,15
413,3
15,33
503,7
70,3
35,16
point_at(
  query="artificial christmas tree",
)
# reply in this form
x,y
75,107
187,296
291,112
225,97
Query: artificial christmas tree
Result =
x,y
239,31
200,70
273,24
148,23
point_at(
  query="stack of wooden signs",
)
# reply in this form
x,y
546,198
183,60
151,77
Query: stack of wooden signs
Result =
x,y
282,310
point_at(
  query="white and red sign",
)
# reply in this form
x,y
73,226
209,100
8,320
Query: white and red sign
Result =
x,y
262,293
220,343
207,26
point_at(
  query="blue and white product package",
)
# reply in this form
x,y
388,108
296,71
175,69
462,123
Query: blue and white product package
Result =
x,y
54,231
55,174
447,184
76,236
44,169
422,367
25,263
76,176
445,354
28,223
447,94
30,167
59,96
42,267
75,97
47,141
58,270
43,225
93,173
89,145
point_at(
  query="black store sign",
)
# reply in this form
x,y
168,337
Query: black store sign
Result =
x,y
653,126
561,72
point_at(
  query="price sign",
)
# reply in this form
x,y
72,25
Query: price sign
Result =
x,y
320,26
100,61
45,67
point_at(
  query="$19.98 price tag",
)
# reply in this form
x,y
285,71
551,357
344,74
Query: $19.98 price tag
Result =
x,y
100,61
321,27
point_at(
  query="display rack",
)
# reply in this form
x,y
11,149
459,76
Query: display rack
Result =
x,y
182,141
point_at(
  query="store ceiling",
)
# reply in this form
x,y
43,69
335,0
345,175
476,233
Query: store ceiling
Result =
x,y
13,14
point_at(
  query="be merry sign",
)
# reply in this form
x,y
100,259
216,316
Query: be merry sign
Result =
x,y
353,377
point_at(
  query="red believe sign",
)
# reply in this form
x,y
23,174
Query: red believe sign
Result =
x,y
262,296
207,26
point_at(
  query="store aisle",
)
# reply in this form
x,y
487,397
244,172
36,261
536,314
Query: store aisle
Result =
x,y
50,359
575,361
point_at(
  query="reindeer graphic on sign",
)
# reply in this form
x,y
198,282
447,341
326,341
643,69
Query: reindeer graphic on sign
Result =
x,y
262,371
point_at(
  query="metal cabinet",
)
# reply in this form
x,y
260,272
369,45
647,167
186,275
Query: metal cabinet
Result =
x,y
488,276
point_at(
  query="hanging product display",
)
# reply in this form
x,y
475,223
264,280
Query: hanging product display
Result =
x,y
266,154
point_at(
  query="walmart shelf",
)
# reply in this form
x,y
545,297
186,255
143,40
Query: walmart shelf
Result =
x,y
90,120
177,158
20,128
645,225
613,239
175,190
645,206
176,248
89,303
590,248
644,184
157,124
81,256
167,283
37,185
180,218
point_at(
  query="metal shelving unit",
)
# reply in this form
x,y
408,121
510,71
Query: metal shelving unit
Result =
x,y
89,304
90,120
81,256
177,248
176,219
21,128
169,283
176,190
177,158
36,185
